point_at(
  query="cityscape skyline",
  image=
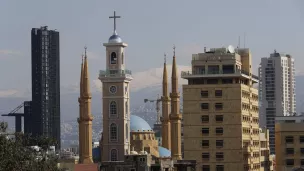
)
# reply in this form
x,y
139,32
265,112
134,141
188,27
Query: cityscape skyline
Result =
x,y
216,119
15,51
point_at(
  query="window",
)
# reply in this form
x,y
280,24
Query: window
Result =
x,y
206,168
205,130
113,155
289,151
205,143
113,132
204,94
301,139
302,151
219,130
289,162
219,155
205,106
219,118
205,156
219,143
302,162
289,139
127,108
205,119
218,106
127,131
113,108
219,167
218,93
113,58
122,58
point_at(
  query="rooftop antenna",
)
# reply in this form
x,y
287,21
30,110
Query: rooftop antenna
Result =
x,y
239,43
244,39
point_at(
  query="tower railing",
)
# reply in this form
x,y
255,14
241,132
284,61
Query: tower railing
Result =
x,y
114,73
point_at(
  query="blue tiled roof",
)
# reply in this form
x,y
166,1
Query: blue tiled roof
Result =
x,y
163,152
137,123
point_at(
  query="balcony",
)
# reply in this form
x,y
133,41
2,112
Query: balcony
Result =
x,y
115,74
219,73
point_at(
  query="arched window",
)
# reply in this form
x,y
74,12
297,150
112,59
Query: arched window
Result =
x,y
113,132
127,108
113,108
113,155
113,58
127,131
122,58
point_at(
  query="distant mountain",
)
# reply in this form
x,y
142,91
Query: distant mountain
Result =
x,y
145,85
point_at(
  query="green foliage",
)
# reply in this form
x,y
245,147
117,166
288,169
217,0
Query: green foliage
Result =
x,y
16,155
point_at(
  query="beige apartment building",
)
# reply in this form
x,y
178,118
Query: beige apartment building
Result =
x,y
289,142
220,111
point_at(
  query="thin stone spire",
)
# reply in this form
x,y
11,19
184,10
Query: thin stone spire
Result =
x,y
81,77
175,116
86,80
166,128
165,78
174,74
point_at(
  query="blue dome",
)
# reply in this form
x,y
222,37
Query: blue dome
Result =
x,y
163,152
115,38
137,123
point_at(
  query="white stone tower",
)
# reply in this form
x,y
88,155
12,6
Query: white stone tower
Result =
x,y
115,93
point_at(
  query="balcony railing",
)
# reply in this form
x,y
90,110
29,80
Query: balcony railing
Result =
x,y
193,73
114,73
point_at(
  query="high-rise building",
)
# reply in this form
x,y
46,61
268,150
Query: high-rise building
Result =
x,y
276,91
289,142
45,116
220,111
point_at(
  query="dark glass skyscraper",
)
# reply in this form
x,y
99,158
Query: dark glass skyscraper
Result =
x,y
45,116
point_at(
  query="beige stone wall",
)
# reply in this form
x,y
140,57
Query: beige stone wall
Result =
x,y
283,130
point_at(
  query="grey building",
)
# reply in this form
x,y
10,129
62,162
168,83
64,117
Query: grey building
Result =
x,y
276,91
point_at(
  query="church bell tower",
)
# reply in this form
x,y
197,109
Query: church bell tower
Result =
x,y
115,93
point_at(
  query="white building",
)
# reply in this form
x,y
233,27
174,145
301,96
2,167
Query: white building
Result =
x,y
276,91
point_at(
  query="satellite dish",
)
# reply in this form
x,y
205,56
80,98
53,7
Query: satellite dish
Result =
x,y
231,49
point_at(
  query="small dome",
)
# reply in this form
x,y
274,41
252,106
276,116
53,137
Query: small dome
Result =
x,y
133,153
138,124
115,38
163,152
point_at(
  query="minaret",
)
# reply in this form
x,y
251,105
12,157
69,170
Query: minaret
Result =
x,y
80,112
86,117
166,133
175,116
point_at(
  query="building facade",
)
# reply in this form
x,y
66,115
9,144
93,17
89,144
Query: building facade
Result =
x,y
289,142
276,91
266,160
45,116
220,111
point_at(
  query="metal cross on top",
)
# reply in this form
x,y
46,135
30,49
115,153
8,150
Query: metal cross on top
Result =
x,y
114,20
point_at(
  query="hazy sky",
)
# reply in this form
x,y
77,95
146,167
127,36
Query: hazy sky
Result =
x,y
149,27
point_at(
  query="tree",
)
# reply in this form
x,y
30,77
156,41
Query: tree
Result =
x,y
17,155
